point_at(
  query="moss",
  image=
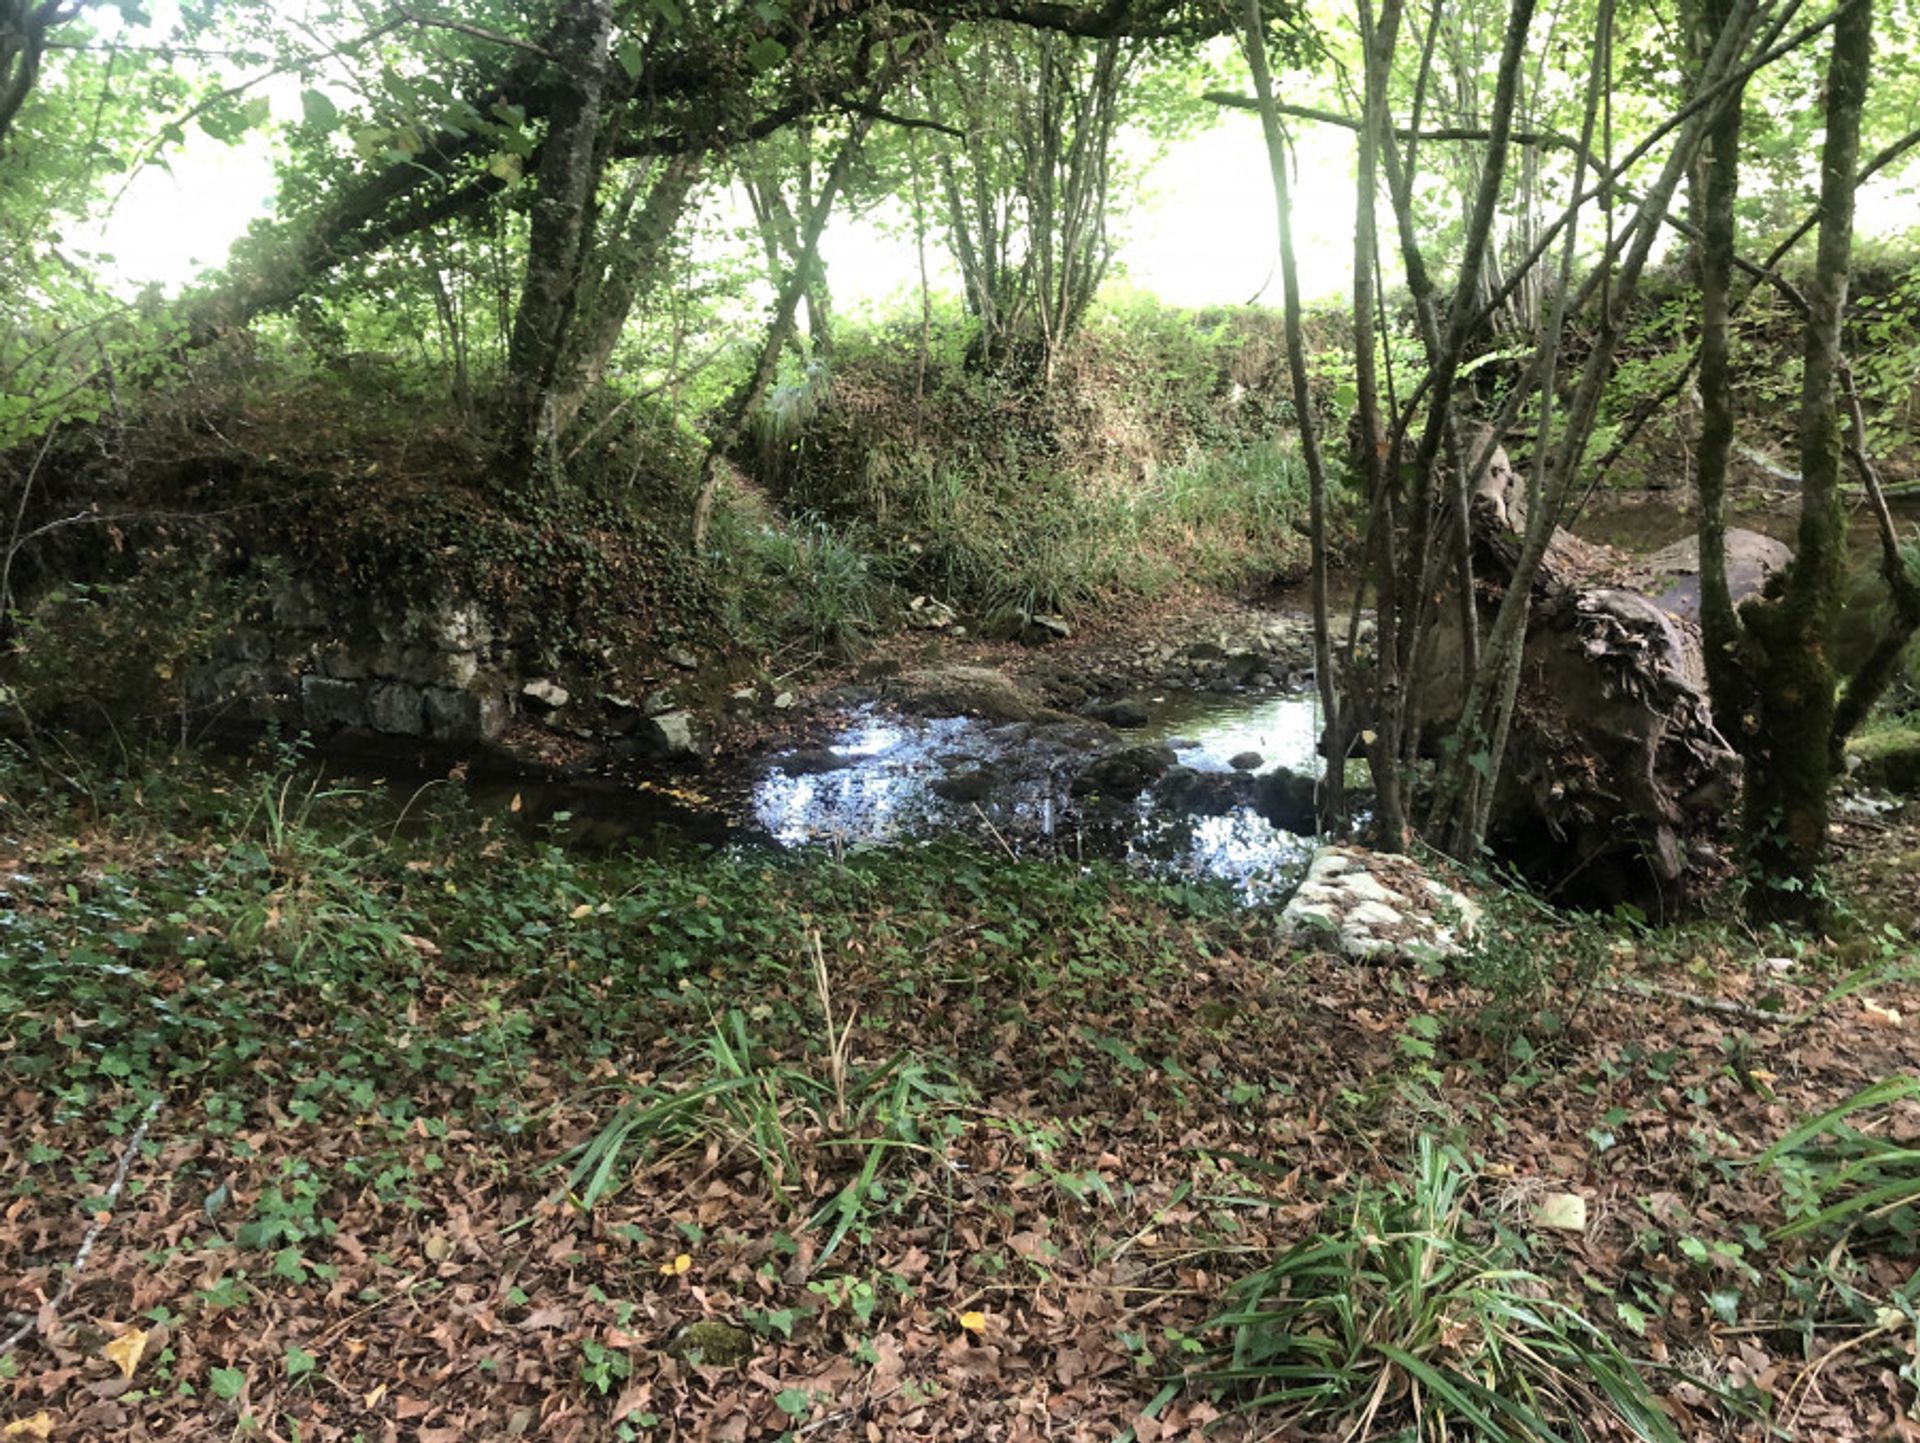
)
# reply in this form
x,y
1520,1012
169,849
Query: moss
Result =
x,y
710,1341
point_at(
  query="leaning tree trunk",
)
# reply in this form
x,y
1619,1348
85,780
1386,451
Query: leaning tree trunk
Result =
x,y
1791,770
786,306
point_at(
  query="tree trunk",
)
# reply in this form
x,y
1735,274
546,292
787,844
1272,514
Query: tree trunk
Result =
x,y
1378,38
1330,700
630,271
1716,183
740,409
1792,762
557,240
23,39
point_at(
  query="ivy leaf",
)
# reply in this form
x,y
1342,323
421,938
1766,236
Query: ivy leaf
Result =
x,y
227,1383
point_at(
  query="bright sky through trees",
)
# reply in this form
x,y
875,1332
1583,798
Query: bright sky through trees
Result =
x,y
1203,236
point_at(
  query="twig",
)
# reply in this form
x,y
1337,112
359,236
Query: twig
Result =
x,y
854,1411
1725,1005
94,1229
1005,845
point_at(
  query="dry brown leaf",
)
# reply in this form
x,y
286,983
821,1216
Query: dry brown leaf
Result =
x,y
125,1351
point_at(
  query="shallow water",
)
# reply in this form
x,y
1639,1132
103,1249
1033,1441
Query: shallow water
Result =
x,y
886,787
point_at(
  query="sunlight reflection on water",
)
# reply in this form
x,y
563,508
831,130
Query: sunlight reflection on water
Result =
x,y
902,779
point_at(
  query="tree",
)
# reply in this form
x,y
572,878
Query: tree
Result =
x,y
1775,685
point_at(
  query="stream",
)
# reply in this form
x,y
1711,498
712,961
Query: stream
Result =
x,y
1213,769
885,779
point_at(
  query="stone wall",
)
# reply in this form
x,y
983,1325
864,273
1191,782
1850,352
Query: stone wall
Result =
x,y
322,664
440,671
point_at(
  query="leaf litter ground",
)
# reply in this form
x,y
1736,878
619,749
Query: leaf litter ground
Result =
x,y
982,1167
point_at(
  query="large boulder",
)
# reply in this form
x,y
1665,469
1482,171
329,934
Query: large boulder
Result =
x,y
1123,774
1288,799
1672,574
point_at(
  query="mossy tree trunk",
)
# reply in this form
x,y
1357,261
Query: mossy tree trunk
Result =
x,y
561,231
1790,760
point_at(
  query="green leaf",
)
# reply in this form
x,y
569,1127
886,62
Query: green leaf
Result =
x,y
630,56
300,1362
227,1383
796,1403
318,110
765,53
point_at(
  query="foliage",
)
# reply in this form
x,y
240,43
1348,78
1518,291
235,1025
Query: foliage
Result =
x,y
1839,1176
752,1106
801,580
959,484
1414,1320
125,649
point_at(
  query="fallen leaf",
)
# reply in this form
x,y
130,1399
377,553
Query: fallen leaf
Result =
x,y
1564,1211
40,1425
974,1322
678,1267
125,1351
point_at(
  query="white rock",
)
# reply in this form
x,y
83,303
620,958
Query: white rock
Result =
x,y
1379,906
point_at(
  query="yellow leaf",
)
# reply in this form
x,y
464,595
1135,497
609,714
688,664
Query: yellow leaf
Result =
x,y
373,1398
585,909
678,1267
40,1425
514,805
125,1351
974,1322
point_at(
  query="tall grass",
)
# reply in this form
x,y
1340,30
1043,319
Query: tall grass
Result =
x,y
1412,1320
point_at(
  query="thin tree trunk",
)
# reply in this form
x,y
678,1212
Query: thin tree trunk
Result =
x,y
1330,700
1716,186
1378,39
631,271
1486,716
1876,671
740,409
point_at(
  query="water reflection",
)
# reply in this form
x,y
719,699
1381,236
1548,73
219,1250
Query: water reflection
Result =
x,y
885,778
1209,731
